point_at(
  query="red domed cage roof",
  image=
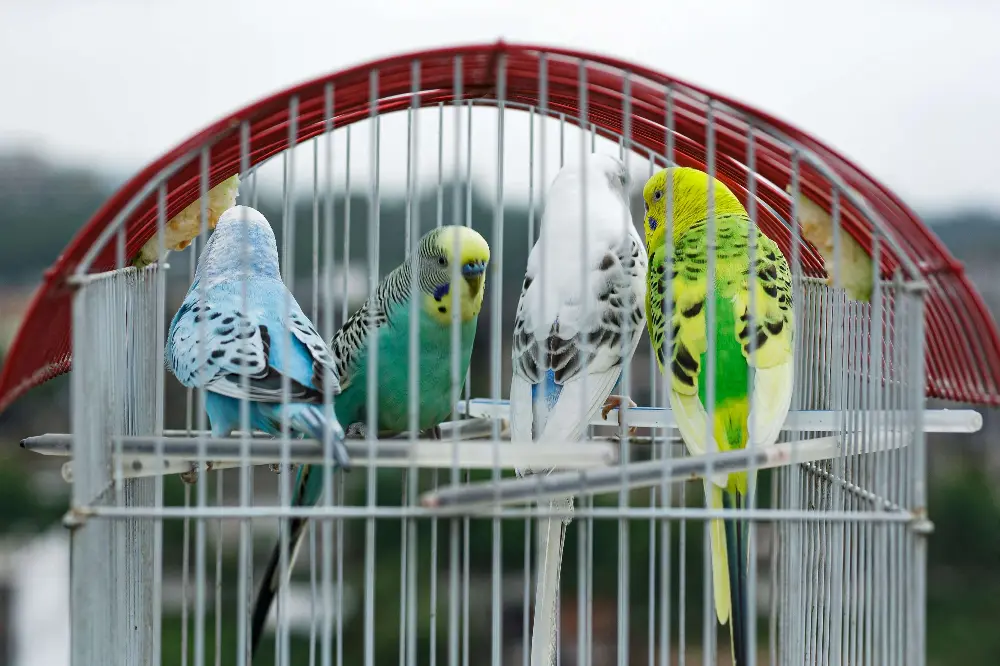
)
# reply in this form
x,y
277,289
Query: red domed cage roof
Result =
x,y
962,345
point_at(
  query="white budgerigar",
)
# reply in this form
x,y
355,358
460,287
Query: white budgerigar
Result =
x,y
570,338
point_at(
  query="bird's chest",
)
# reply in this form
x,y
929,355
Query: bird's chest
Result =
x,y
433,360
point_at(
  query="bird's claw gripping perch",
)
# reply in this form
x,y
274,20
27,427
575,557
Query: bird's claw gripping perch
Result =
x,y
616,402
190,477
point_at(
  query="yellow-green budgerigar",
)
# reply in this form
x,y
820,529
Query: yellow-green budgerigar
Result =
x,y
766,370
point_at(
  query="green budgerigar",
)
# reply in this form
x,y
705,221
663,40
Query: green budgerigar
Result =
x,y
389,310
761,358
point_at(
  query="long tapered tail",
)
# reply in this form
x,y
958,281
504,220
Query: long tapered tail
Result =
x,y
729,571
307,485
544,635
272,580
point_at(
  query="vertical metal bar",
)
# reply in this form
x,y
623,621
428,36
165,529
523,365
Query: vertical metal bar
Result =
x,y
495,370
314,317
751,588
453,523
282,646
326,537
202,490
586,641
797,585
526,628
160,374
624,541
710,368
916,359
372,406
220,501
466,524
245,565
347,223
415,388
834,548
668,302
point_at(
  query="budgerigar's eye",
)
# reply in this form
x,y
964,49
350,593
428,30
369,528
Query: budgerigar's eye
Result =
x,y
657,195
442,261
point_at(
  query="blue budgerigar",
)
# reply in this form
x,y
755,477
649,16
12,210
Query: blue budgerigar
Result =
x,y
390,311
217,344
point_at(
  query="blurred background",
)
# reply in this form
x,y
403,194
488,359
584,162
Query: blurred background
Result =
x,y
95,90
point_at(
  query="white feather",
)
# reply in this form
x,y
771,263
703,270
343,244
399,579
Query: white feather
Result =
x,y
580,312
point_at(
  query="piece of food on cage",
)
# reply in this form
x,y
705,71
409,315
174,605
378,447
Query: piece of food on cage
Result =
x,y
216,341
441,255
578,319
855,272
186,225
772,359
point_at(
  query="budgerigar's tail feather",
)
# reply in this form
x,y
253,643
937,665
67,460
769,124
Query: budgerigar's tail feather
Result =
x,y
553,536
736,547
311,419
272,581
720,564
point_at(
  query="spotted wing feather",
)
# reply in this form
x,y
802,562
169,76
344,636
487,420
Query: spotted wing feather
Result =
x,y
214,345
772,299
567,347
350,341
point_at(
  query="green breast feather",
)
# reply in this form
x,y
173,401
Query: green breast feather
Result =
x,y
393,379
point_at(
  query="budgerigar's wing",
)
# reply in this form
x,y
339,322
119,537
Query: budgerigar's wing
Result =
x,y
559,344
772,358
350,341
213,344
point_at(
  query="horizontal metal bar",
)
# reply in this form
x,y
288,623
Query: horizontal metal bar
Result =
x,y
600,512
139,457
81,279
643,474
934,420
59,444
176,451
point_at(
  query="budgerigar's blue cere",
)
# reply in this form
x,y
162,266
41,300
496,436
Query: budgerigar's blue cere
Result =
x,y
216,344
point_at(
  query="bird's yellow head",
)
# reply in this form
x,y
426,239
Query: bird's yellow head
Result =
x,y
439,251
688,191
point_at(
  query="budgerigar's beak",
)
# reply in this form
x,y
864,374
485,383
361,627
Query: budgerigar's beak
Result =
x,y
474,272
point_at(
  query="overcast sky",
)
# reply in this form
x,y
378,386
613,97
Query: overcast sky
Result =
x,y
908,88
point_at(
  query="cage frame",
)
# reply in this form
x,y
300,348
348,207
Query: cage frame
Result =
x,y
927,270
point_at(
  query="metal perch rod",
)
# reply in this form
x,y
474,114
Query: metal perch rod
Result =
x,y
934,420
646,474
174,452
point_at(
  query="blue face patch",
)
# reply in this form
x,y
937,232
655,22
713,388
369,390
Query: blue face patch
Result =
x,y
652,223
440,291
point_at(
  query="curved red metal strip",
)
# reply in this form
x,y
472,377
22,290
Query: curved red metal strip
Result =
x,y
963,346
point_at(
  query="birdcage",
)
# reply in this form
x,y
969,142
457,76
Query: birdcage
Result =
x,y
426,552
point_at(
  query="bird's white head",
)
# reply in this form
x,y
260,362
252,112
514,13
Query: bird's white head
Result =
x,y
596,168
612,169
242,241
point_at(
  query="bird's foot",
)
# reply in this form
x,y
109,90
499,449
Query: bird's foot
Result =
x,y
276,467
616,402
432,433
190,477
